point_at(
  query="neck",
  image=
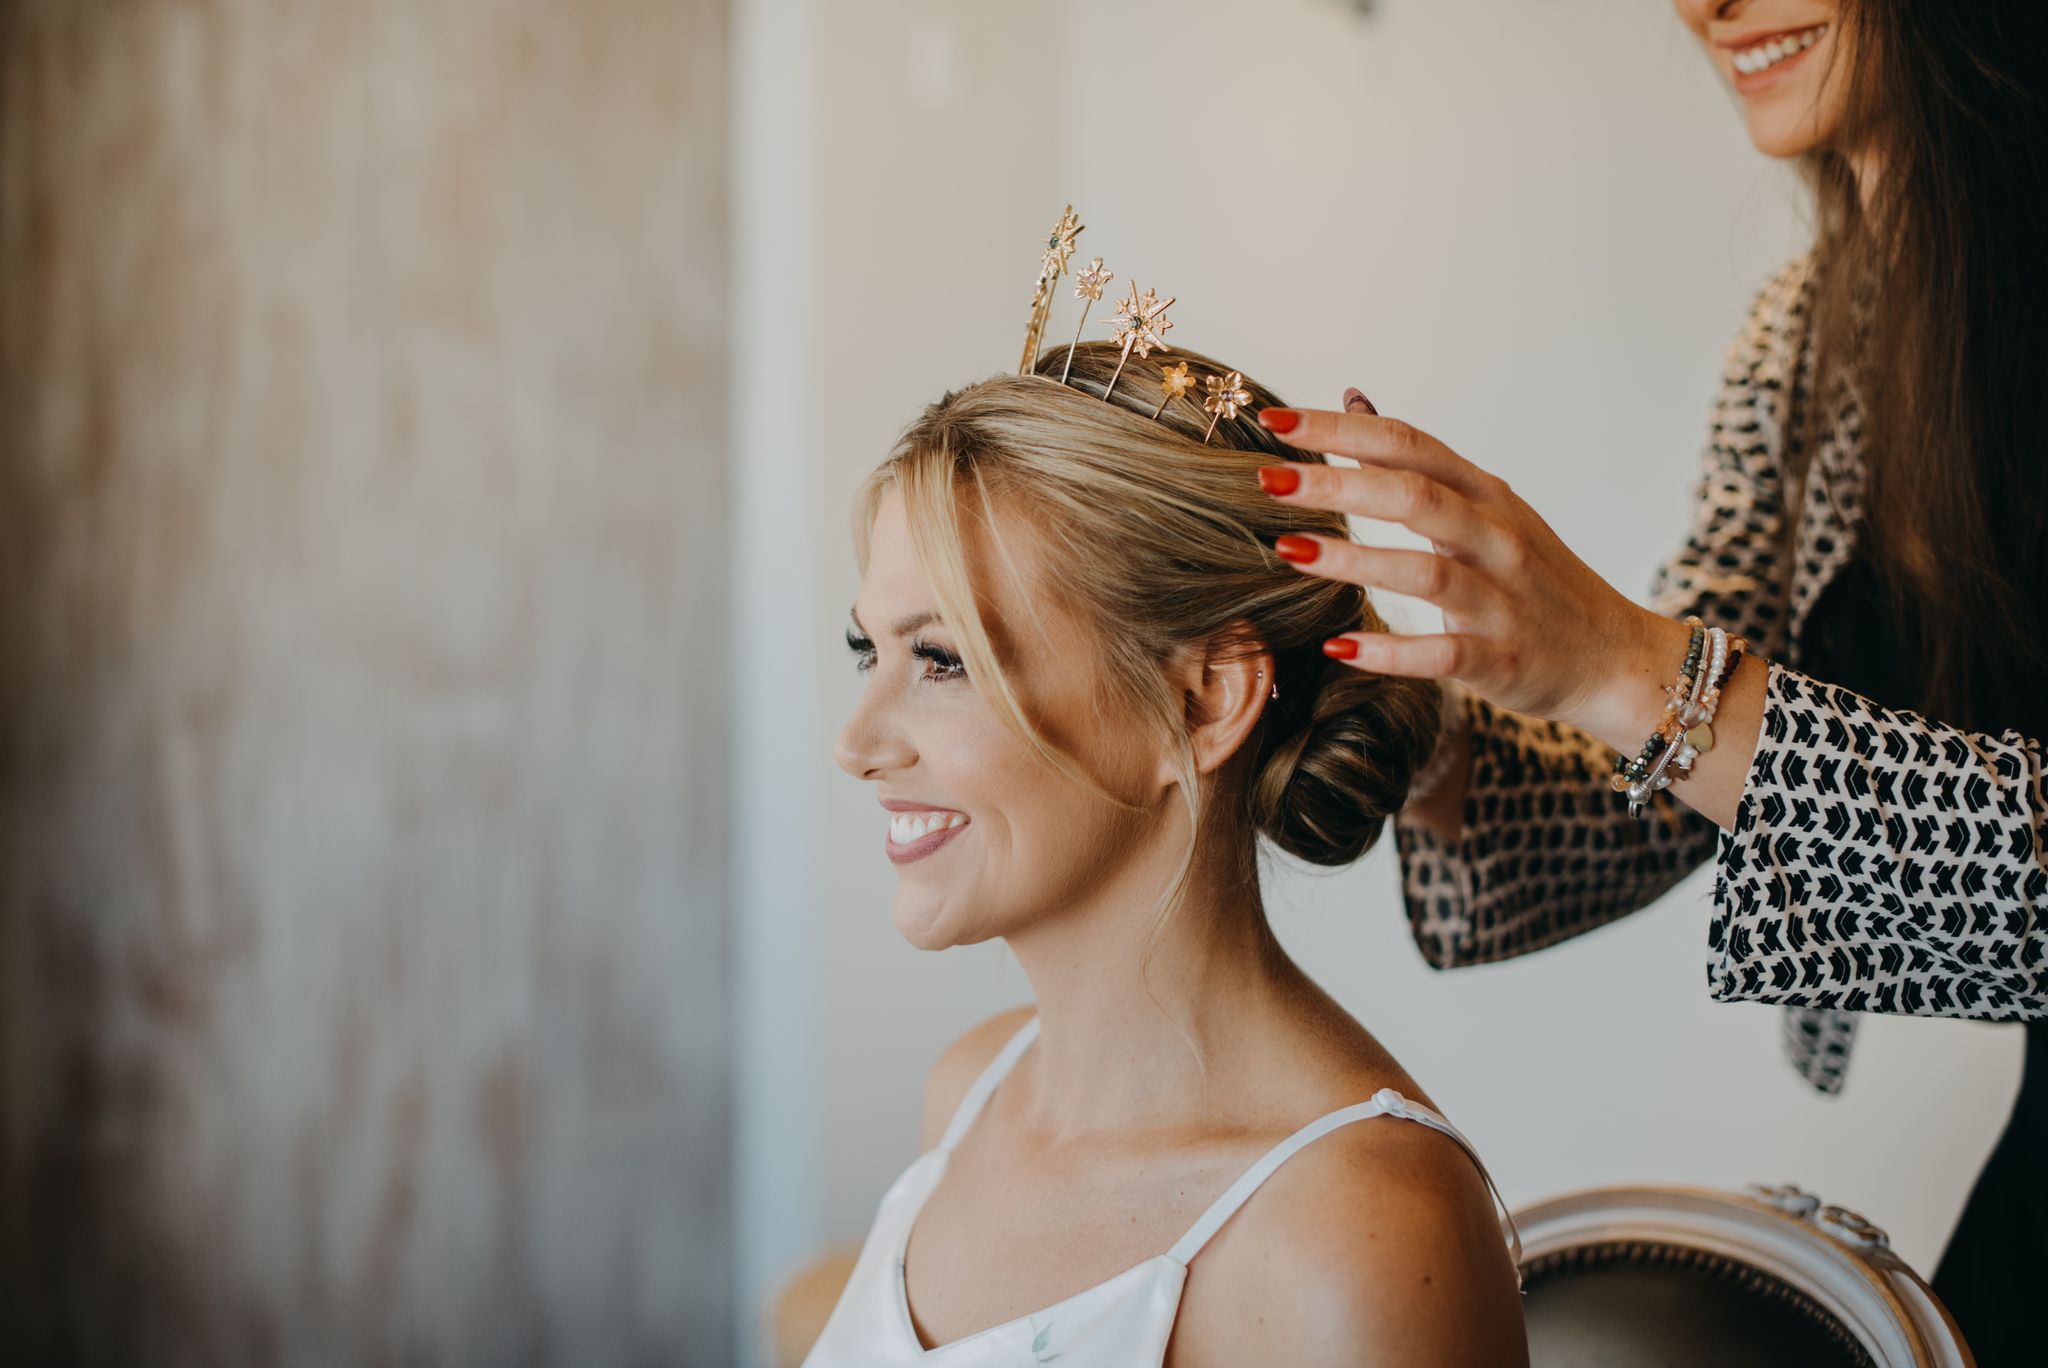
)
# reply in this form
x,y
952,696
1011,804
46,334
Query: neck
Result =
x,y
1137,1015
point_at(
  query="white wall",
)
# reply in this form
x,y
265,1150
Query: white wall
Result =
x,y
1527,225
773,671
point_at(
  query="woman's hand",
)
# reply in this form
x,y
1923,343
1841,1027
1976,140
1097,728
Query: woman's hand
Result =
x,y
1527,624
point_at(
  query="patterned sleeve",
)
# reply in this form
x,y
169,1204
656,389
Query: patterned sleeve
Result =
x,y
1882,862
1547,849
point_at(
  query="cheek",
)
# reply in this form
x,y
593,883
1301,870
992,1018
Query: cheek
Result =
x,y
1831,82
1803,115
1061,829
1031,812
975,763
984,755
1038,830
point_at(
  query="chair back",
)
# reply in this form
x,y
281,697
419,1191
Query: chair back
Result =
x,y
1678,1277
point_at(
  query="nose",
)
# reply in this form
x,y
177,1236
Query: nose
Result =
x,y
871,743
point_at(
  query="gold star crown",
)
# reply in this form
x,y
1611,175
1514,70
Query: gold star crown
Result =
x,y
1140,326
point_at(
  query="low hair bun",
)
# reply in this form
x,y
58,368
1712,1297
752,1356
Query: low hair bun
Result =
x,y
1325,785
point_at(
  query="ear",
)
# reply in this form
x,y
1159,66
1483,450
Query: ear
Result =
x,y
1226,687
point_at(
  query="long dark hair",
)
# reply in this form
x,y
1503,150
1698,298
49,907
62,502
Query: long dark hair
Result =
x,y
1936,295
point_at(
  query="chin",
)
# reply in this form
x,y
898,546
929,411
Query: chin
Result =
x,y
1783,136
922,922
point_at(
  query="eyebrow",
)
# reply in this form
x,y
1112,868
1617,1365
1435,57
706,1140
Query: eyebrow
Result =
x,y
903,626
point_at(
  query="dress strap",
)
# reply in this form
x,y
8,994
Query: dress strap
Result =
x,y
977,1096
1385,1102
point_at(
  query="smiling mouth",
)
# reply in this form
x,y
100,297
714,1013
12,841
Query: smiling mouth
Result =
x,y
914,835
1761,57
905,827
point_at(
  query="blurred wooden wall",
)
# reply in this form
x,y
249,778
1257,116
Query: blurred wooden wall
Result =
x,y
361,656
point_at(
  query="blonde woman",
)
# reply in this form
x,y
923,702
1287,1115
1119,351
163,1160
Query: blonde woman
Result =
x,y
1093,684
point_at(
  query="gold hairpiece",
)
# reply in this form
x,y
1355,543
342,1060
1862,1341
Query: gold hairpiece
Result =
x,y
1140,326
1173,384
1059,249
1227,395
1087,288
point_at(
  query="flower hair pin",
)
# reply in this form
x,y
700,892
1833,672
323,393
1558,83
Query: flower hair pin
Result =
x,y
1227,395
1088,285
1174,384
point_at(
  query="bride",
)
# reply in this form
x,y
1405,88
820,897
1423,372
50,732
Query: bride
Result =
x,y
1092,684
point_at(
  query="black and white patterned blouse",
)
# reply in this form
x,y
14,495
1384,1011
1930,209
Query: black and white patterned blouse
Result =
x,y
1880,861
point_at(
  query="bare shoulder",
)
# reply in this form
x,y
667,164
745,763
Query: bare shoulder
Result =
x,y
1377,1244
960,1064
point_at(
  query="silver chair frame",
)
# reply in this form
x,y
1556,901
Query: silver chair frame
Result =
x,y
1832,1256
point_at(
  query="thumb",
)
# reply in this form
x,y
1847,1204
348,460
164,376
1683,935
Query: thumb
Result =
x,y
1356,402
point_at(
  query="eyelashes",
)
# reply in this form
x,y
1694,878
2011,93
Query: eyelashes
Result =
x,y
941,665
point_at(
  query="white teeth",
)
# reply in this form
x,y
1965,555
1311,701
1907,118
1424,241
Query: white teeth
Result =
x,y
1766,55
905,827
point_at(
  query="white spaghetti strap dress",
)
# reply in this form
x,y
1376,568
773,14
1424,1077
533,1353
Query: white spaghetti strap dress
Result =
x,y
1122,1323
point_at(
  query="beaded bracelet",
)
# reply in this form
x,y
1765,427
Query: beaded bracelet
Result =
x,y
1686,731
1629,773
1691,702
1699,735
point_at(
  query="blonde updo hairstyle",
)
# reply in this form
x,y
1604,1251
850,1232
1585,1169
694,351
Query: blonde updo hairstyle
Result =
x,y
1164,545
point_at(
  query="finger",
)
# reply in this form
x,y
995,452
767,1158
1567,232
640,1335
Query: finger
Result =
x,y
1373,440
1413,500
1442,656
1432,578
1356,402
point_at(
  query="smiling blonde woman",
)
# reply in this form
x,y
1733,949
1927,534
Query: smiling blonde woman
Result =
x,y
1093,684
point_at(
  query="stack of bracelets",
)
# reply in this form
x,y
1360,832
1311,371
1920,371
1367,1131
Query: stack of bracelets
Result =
x,y
1687,731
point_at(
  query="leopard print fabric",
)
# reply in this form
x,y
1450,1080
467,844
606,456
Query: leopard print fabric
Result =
x,y
1879,861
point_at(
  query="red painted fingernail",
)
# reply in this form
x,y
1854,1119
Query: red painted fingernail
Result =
x,y
1341,648
1299,550
1356,402
1280,420
1279,479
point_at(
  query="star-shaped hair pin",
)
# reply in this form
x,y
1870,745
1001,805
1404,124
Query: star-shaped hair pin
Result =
x,y
1088,283
1139,326
1059,250
1227,395
1175,384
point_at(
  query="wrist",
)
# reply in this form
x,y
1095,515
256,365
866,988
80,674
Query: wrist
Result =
x,y
1630,702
